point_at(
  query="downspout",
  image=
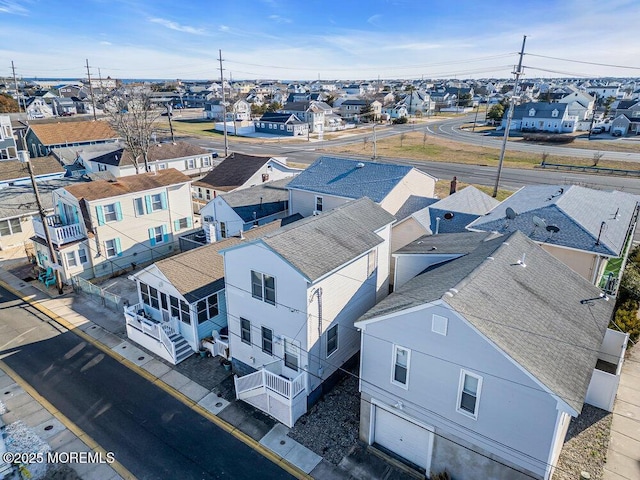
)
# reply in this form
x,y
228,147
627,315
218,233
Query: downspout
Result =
x,y
437,225
318,293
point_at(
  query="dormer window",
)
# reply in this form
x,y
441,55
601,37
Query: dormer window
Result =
x,y
532,112
554,113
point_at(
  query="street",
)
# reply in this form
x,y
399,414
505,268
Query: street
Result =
x,y
151,433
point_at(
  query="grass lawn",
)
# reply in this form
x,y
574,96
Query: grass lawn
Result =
x,y
416,146
442,189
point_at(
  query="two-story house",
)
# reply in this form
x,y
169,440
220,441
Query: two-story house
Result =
x,y
101,228
588,230
231,213
542,117
42,137
239,171
292,298
476,366
332,181
286,124
181,300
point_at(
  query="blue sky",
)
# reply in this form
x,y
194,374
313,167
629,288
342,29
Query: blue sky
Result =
x,y
317,39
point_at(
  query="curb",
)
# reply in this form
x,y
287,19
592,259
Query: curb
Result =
x,y
243,437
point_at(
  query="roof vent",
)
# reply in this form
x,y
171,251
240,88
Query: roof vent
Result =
x,y
448,215
360,165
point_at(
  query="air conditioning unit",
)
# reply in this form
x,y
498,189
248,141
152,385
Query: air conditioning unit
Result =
x,y
316,212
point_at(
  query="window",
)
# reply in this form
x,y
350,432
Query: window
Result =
x,y
191,163
332,340
223,230
156,202
181,223
71,259
162,166
102,167
267,340
439,324
138,206
290,355
153,296
206,161
185,314
263,287
144,293
281,127
208,192
469,393
156,235
207,308
245,331
110,214
318,204
9,227
82,255
400,373
112,248
174,306
372,262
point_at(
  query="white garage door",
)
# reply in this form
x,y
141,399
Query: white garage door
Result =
x,y
402,437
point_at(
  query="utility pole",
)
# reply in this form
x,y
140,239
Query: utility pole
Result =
x,y
93,98
169,115
224,109
15,82
375,153
23,155
512,104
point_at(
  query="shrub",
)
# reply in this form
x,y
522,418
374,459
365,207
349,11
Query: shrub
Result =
x,y
626,318
400,121
549,138
440,476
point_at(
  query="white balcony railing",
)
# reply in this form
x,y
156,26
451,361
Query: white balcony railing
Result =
x,y
60,234
135,317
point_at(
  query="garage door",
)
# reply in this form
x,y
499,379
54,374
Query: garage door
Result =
x,y
402,437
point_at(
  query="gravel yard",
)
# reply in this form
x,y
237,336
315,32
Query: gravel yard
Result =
x,y
585,448
330,428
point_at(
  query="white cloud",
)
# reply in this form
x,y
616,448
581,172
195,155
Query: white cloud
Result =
x,y
12,7
279,19
224,28
176,26
375,20
104,42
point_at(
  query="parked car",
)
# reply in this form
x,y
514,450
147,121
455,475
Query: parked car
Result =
x,y
616,133
597,130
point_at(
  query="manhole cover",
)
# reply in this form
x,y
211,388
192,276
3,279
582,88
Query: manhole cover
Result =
x,y
218,404
140,358
48,427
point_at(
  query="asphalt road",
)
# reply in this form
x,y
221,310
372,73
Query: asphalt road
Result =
x,y
151,433
450,129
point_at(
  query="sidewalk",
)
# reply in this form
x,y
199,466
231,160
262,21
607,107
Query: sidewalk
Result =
x,y
623,455
206,388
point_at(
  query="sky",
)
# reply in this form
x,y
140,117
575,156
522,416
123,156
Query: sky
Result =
x,y
326,40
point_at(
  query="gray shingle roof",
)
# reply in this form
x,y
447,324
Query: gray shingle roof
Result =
x,y
264,199
534,313
446,243
319,244
20,200
542,110
578,212
467,200
413,204
342,177
199,272
232,172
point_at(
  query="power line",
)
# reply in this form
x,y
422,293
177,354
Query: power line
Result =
x,y
584,62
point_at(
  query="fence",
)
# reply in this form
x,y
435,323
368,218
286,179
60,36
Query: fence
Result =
x,y
100,295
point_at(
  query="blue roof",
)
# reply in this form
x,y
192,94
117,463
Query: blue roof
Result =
x,y
344,177
585,219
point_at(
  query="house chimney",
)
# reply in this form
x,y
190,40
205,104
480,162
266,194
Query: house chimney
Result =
x,y
454,186
437,226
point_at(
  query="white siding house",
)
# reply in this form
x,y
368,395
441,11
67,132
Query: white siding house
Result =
x,y
503,336
292,298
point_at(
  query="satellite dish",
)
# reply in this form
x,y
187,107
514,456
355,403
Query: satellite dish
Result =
x,y
552,229
539,222
510,213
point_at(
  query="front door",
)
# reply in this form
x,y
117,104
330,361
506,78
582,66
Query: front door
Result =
x,y
164,307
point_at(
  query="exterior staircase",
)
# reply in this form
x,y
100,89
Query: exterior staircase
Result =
x,y
182,348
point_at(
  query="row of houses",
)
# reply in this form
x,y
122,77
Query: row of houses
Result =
x,y
453,329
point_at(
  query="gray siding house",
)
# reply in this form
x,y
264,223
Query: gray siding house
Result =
x,y
477,365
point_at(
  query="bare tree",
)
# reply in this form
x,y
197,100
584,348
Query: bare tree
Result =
x,y
365,142
131,114
596,158
424,139
545,156
402,137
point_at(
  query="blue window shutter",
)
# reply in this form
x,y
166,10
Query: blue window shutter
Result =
x,y
176,225
147,200
100,215
118,211
189,222
63,217
165,234
118,247
152,237
163,199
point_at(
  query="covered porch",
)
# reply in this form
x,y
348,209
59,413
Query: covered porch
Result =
x,y
271,391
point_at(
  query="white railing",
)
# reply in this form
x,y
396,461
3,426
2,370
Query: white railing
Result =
x,y
60,234
166,341
270,378
248,382
277,384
